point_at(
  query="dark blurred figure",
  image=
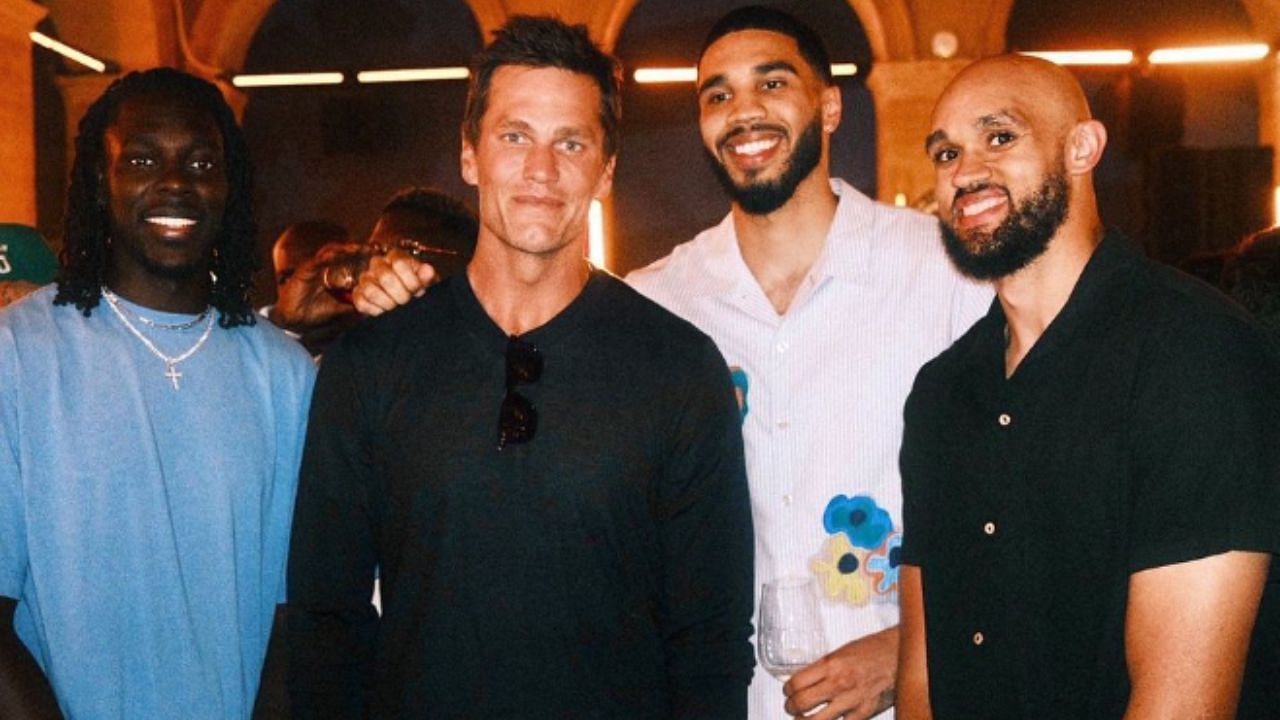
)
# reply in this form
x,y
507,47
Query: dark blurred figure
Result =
x,y
26,262
300,242
302,308
1252,277
431,217
318,310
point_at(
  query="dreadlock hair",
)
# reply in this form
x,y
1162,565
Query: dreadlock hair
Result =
x,y
87,225
542,41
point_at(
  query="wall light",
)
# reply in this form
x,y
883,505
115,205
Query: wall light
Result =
x,y
287,79
67,51
1210,54
1085,57
1275,206
844,69
595,234
412,75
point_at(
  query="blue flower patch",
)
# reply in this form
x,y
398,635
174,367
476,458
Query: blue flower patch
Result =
x,y
858,518
740,386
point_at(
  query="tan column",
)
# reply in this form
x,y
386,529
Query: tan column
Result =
x,y
78,93
904,94
17,111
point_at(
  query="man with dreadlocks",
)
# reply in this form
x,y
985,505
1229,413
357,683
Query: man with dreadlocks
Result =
x,y
150,431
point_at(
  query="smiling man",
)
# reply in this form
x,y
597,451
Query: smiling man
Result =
x,y
543,467
150,432
1090,473
825,304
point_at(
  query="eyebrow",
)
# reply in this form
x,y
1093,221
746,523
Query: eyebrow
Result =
x,y
761,69
1000,118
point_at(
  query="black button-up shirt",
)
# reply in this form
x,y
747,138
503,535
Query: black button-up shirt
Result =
x,y
1142,429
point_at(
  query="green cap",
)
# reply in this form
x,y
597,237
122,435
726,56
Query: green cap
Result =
x,y
25,256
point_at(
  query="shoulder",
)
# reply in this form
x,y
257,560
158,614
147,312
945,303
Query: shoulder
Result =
x,y
649,328
687,266
277,348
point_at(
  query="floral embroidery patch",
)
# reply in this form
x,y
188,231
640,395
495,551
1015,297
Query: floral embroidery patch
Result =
x,y
859,518
840,569
858,562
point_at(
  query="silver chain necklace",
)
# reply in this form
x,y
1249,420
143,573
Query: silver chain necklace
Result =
x,y
170,363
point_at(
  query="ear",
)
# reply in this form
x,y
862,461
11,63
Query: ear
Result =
x,y
831,109
1084,148
467,160
605,184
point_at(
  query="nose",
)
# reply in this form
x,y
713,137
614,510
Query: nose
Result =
x,y
970,168
175,177
540,164
745,108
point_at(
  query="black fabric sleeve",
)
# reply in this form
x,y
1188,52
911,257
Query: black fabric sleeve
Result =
x,y
24,691
704,515
1206,445
914,467
332,625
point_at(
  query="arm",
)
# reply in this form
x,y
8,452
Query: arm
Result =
x,y
391,281
913,669
1187,629
24,691
302,302
707,544
332,627
855,681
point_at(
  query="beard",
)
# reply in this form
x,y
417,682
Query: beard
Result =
x,y
1018,240
764,196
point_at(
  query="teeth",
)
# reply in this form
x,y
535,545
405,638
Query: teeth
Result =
x,y
171,222
980,207
754,147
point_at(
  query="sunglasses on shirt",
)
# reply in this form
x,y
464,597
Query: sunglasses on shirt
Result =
x,y
518,418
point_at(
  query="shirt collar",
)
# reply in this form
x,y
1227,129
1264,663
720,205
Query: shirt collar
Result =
x,y
844,255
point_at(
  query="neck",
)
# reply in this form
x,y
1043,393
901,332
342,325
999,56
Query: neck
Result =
x,y
184,295
1032,297
781,247
521,291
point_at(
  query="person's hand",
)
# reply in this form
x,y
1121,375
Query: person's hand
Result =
x,y
302,302
390,281
855,681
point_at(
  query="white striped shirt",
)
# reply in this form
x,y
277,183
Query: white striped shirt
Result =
x,y
824,387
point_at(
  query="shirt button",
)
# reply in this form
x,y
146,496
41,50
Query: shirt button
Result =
x,y
783,424
782,347
978,638
786,500
989,528
1004,419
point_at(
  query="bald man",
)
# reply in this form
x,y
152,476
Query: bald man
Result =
x,y
1090,473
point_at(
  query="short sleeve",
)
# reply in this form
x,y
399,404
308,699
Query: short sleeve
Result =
x,y
1206,444
914,467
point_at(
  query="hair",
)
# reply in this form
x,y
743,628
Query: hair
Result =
x,y
759,17
454,218
537,42
308,236
1252,277
87,226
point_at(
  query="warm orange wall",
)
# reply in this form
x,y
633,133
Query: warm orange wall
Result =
x,y
17,112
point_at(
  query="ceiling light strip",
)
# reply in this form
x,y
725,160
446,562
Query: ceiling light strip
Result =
x,y
1209,54
648,76
287,79
413,75
67,51
1085,57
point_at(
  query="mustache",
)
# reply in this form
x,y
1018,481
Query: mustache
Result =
x,y
737,130
977,188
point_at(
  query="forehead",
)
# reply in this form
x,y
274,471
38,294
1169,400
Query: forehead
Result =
x,y
543,96
745,50
974,106
163,117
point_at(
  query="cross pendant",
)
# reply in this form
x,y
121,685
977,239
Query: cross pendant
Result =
x,y
173,375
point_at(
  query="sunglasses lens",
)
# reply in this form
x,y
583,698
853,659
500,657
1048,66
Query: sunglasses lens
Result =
x,y
517,420
524,363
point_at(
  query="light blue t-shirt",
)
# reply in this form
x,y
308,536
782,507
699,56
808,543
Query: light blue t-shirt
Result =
x,y
144,529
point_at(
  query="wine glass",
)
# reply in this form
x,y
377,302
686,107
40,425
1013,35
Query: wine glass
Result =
x,y
790,633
